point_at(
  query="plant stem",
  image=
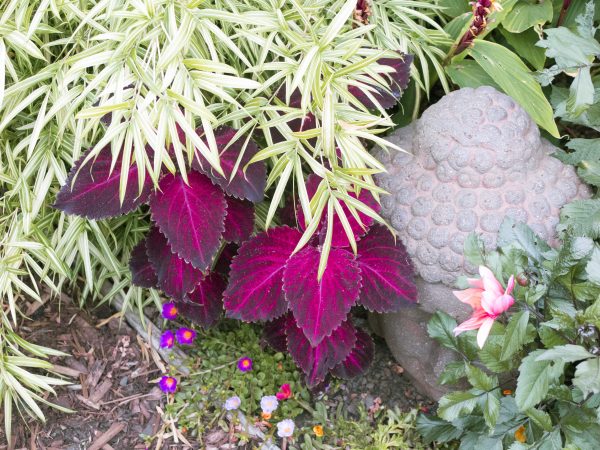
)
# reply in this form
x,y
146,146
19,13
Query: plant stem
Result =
x,y
563,12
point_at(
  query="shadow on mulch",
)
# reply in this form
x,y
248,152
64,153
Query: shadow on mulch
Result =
x,y
114,399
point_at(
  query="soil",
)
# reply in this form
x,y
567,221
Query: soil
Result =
x,y
115,396
384,384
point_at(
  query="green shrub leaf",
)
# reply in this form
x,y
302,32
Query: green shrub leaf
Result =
x,y
516,334
515,79
455,404
587,376
441,327
566,353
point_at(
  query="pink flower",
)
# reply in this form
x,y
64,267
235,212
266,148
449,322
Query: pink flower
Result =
x,y
169,311
167,339
285,392
185,336
488,300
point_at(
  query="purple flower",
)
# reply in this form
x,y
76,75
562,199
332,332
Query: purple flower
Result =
x,y
167,339
245,364
185,336
169,311
168,384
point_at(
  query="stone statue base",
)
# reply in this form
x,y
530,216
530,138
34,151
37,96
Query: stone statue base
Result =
x,y
406,335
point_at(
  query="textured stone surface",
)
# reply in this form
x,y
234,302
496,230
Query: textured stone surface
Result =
x,y
475,157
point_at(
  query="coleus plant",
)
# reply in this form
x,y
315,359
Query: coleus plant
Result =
x,y
191,219
186,255
271,281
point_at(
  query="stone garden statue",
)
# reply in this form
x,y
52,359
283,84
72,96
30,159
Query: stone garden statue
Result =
x,y
475,158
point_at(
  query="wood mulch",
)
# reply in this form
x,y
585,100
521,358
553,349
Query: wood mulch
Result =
x,y
114,395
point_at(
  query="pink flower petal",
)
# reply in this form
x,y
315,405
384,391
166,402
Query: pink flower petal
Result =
x,y
490,283
471,324
510,286
484,331
470,296
476,283
488,303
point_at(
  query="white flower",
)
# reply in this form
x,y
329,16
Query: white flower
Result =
x,y
285,428
232,403
269,403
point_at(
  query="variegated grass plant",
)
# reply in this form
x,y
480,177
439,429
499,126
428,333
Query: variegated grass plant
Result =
x,y
132,74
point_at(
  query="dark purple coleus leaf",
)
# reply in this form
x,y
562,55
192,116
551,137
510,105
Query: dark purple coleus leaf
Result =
x,y
239,222
274,333
142,272
315,361
339,238
387,274
359,358
204,305
397,83
92,191
255,281
223,264
319,307
176,277
191,216
249,185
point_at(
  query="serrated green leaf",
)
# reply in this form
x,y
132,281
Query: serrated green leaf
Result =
x,y
583,216
479,379
516,333
587,376
491,409
534,380
456,404
452,373
566,353
540,418
440,327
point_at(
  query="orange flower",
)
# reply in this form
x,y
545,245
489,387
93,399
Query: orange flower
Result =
x,y
318,430
520,434
507,392
266,415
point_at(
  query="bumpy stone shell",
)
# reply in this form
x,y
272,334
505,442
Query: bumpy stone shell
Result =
x,y
477,157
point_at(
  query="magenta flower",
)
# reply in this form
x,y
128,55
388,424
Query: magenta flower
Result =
x,y
169,311
185,336
167,339
245,364
285,392
168,384
488,299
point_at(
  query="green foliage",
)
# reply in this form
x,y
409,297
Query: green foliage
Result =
x,y
214,377
497,64
198,403
546,349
